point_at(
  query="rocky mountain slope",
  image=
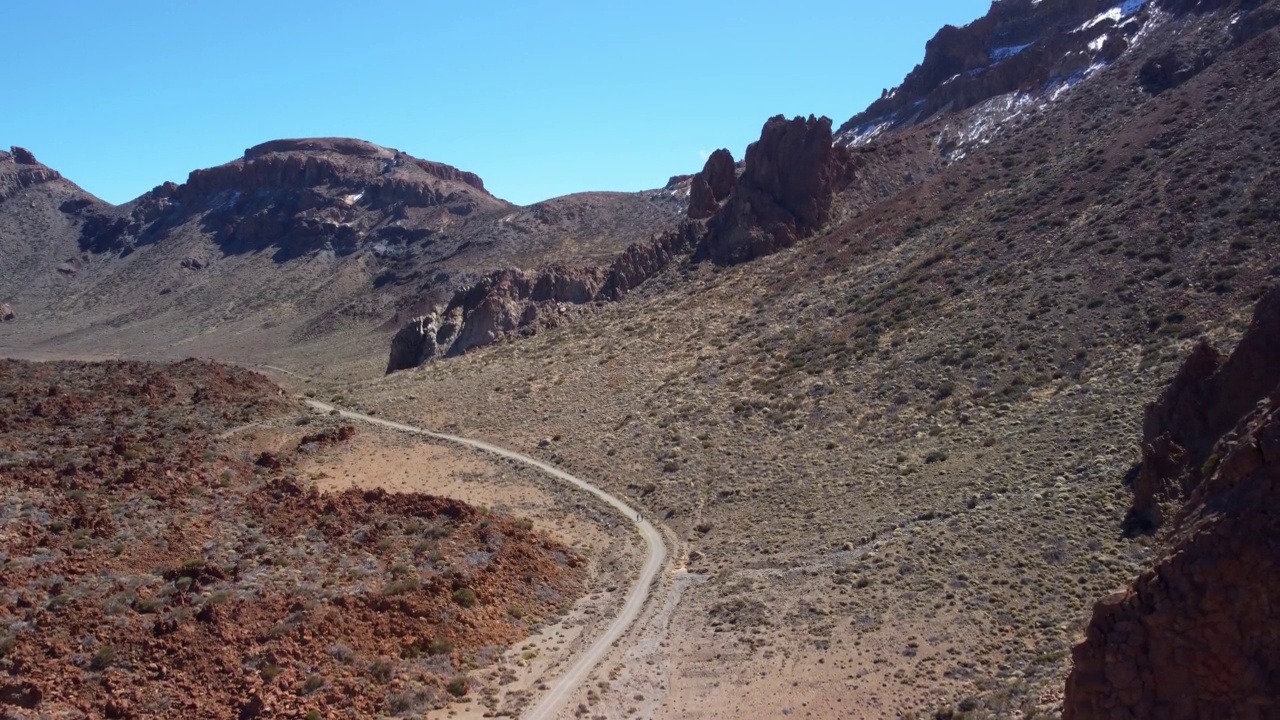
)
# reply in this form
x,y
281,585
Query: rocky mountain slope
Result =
x,y
39,252
1195,636
917,414
293,242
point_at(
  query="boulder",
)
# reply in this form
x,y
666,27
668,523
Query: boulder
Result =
x,y
7,313
1197,635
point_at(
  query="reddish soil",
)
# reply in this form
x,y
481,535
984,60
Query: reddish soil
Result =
x,y
149,568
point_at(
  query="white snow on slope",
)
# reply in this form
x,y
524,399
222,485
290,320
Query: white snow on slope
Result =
x,y
1002,53
1115,14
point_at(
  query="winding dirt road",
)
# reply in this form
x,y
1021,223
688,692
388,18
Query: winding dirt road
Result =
x,y
559,690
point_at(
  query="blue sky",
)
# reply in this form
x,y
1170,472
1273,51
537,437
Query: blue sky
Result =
x,y
539,99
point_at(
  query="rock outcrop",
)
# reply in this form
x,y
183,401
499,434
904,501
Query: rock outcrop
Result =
x,y
1208,397
7,313
712,186
23,156
522,302
19,171
1198,636
784,193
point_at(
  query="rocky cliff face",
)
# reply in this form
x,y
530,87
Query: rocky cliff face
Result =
x,y
1020,46
1208,397
1197,636
784,194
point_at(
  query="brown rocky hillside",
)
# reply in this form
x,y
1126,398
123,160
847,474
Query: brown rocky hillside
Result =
x,y
155,563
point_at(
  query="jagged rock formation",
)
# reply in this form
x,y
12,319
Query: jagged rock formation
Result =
x,y
1209,396
1198,636
710,187
519,301
784,193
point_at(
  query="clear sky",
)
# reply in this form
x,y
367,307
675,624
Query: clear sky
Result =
x,y
539,98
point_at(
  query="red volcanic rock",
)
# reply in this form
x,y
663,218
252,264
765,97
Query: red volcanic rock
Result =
x,y
1198,636
784,194
1207,397
710,187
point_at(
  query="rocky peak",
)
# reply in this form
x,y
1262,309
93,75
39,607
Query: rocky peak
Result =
x,y
712,186
1023,54
19,170
783,194
1020,46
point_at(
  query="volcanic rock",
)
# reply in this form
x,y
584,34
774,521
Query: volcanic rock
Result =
x,y
1207,397
22,156
784,194
710,187
1197,636
511,301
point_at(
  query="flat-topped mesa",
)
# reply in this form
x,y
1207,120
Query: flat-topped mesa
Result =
x,y
299,196
381,174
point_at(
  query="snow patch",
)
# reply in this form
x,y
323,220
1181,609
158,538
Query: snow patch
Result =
x,y
1115,14
1097,43
1004,53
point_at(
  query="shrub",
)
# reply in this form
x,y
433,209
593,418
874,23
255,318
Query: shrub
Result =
x,y
459,686
466,597
313,683
103,658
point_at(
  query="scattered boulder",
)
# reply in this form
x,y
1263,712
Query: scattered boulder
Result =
x,y
193,263
7,313
784,193
1197,636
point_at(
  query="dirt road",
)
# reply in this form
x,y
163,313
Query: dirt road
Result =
x,y
559,690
